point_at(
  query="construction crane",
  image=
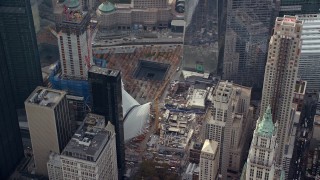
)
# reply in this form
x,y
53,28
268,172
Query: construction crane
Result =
x,y
90,33
156,105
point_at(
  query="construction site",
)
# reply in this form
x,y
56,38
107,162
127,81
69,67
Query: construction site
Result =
x,y
139,80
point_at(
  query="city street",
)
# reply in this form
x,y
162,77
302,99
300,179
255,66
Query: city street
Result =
x,y
304,134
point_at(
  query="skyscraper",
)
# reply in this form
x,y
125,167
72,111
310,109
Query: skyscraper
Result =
x,y
294,7
281,74
261,159
218,127
11,149
19,48
309,66
74,41
203,35
107,101
228,122
49,124
247,33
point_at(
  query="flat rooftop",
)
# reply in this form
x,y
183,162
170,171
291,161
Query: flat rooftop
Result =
x,y
104,71
45,97
289,20
89,140
198,98
300,87
223,91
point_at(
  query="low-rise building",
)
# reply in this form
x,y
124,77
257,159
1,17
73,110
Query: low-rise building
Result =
x,y
192,169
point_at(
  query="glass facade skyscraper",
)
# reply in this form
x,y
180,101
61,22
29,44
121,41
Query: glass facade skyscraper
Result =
x,y
294,7
19,48
11,149
247,34
202,35
107,101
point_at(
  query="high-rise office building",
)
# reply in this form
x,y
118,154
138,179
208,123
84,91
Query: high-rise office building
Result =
x,y
247,32
209,160
49,124
107,101
19,48
203,35
91,153
294,7
261,159
309,66
74,41
228,122
219,123
281,74
11,148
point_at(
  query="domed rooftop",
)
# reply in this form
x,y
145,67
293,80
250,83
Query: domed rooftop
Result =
x,y
106,7
72,3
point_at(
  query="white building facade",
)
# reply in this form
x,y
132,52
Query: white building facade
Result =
x,y
91,154
281,73
309,64
228,123
219,122
209,160
261,159
54,167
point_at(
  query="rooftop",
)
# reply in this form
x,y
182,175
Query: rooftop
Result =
x,y
198,98
106,7
300,87
178,23
266,126
90,139
104,71
210,146
72,3
46,97
223,91
289,20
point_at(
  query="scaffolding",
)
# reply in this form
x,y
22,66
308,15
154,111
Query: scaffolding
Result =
x,y
71,86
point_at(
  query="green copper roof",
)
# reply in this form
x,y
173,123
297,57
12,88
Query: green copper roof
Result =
x,y
72,3
266,126
106,7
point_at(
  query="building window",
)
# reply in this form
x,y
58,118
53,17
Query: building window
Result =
x,y
259,174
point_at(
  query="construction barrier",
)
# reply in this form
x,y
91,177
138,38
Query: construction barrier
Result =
x,y
71,86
